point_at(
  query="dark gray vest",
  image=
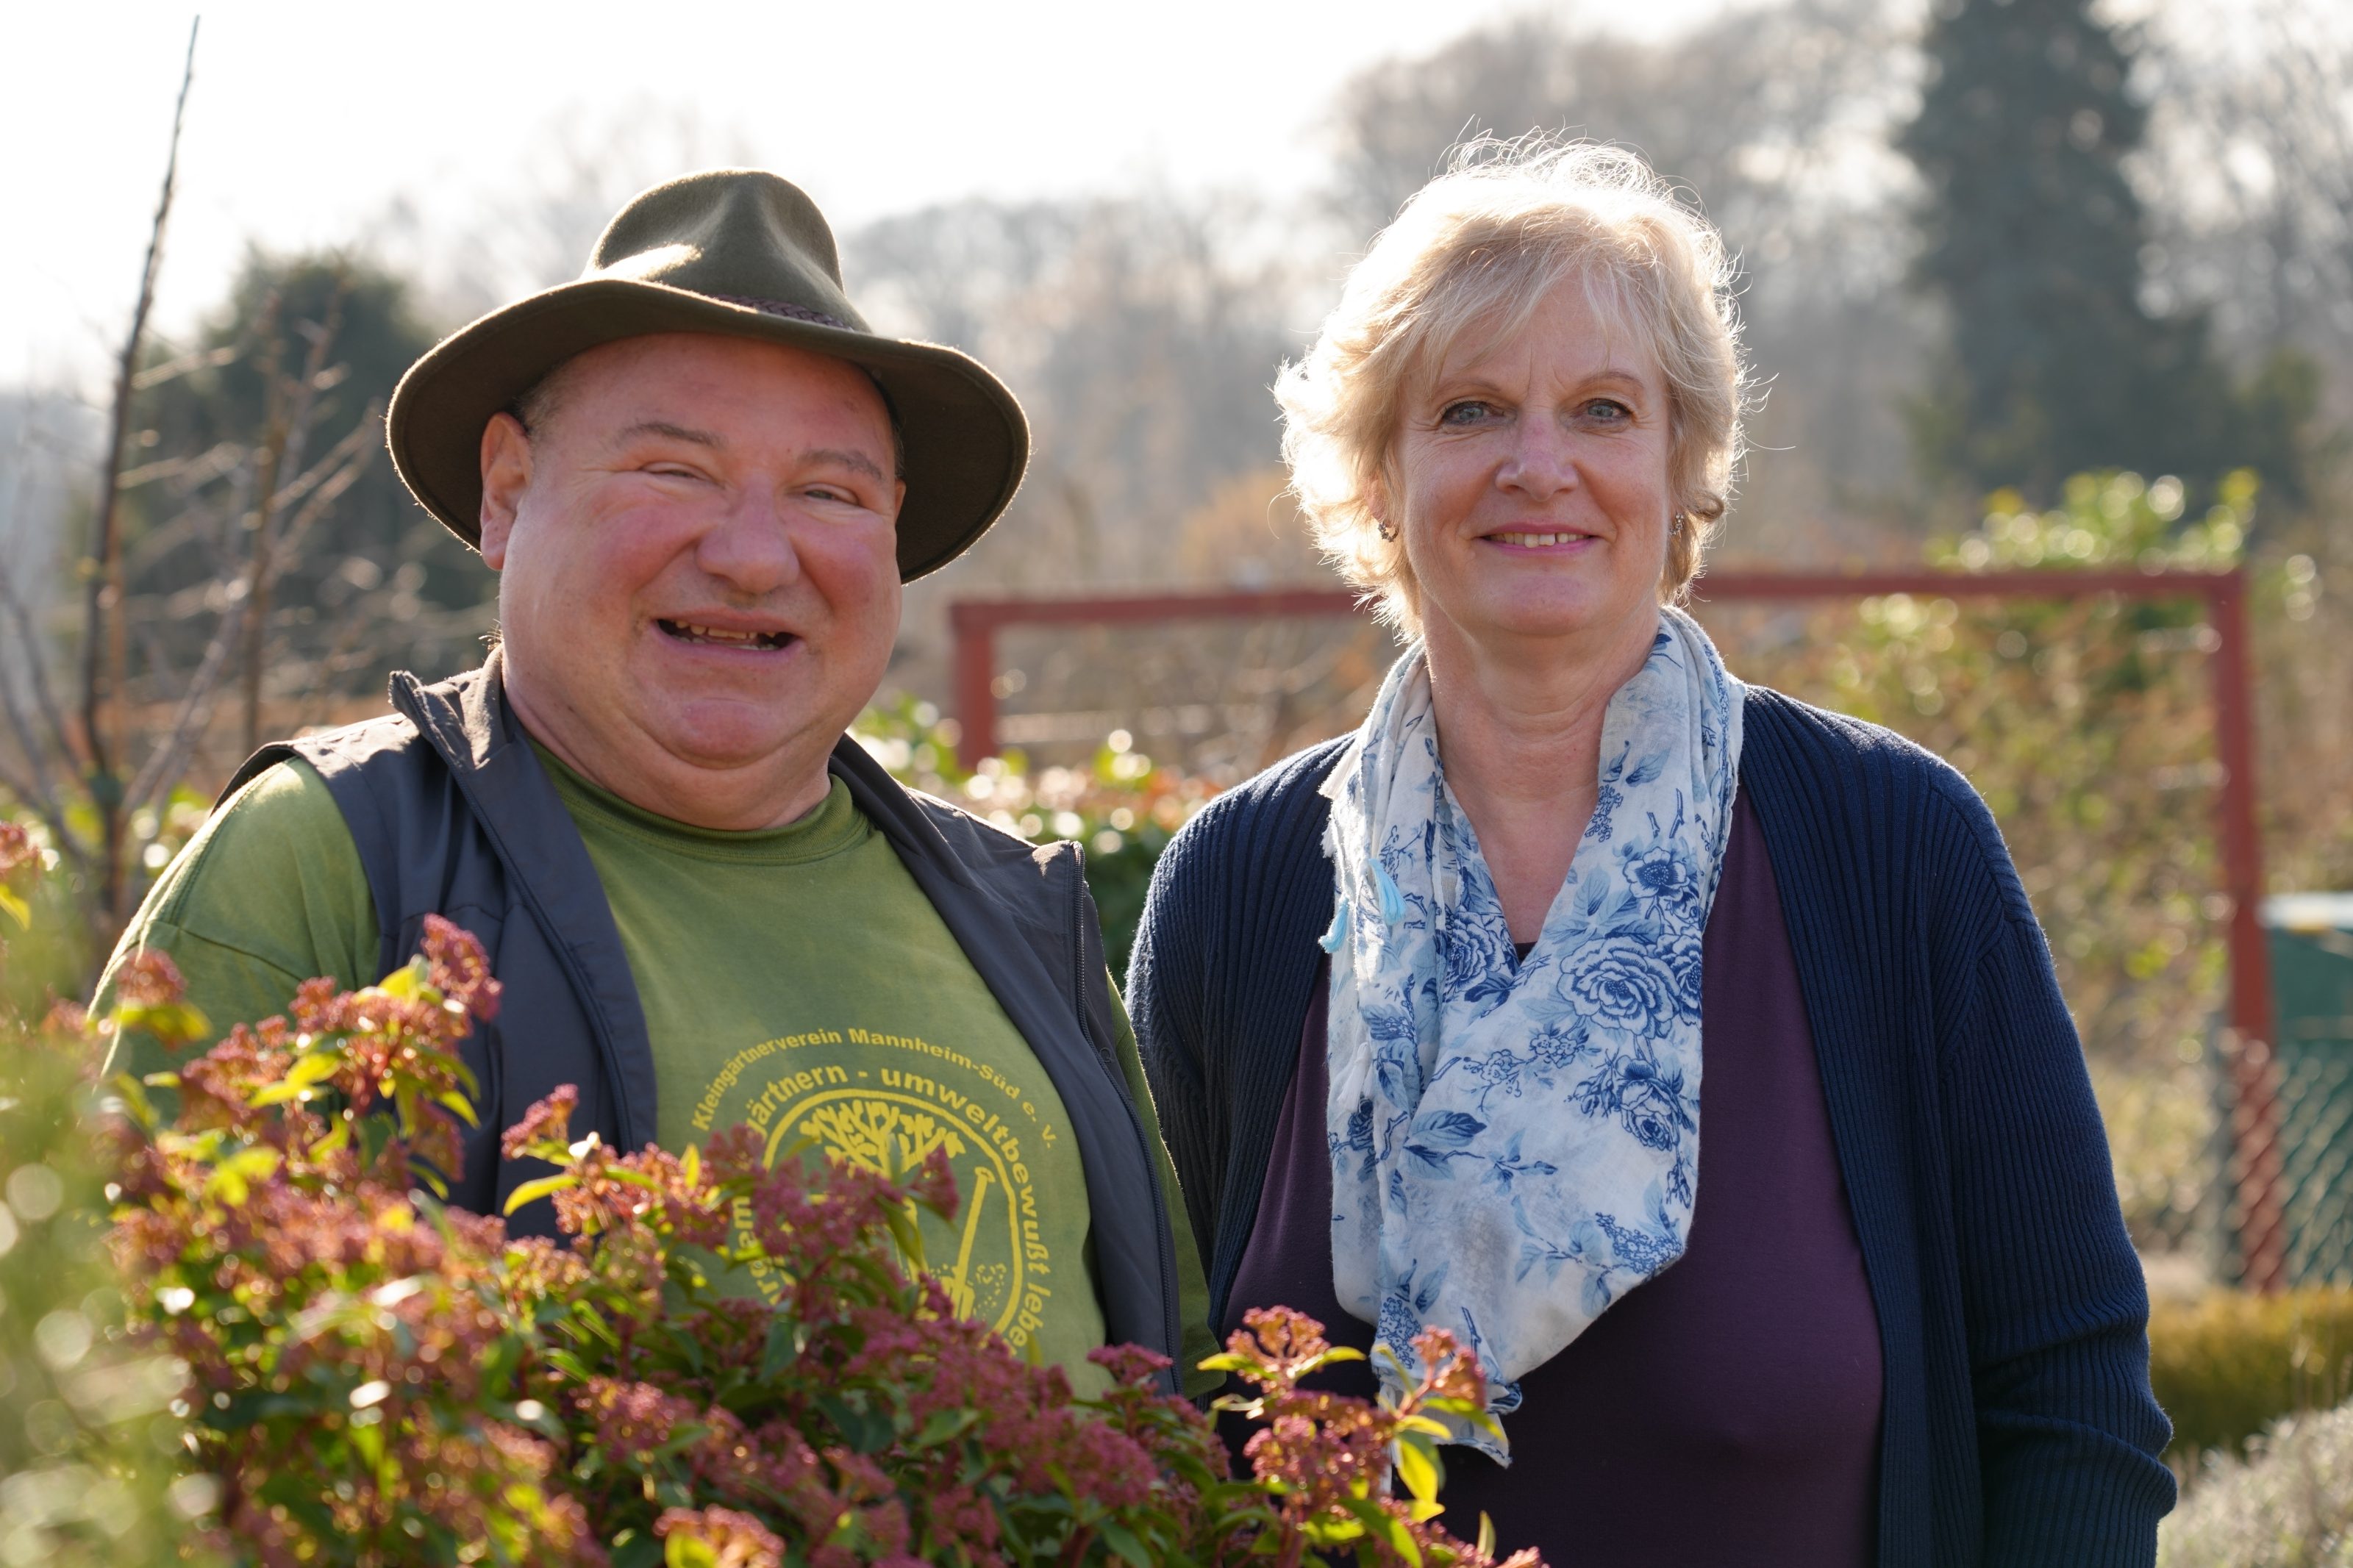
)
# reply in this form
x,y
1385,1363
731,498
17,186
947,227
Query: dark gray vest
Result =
x,y
453,815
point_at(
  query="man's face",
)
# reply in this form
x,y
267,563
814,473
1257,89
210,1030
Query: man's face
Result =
x,y
699,581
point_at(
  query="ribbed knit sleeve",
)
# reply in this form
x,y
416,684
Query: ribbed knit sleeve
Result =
x,y
1166,998
2054,1301
1224,965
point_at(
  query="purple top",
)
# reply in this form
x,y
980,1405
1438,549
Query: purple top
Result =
x,y
1727,1411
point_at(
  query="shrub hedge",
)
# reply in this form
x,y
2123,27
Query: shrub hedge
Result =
x,y
2228,1364
2289,1504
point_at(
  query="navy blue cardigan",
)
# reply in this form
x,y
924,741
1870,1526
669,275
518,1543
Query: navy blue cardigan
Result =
x,y
2018,1426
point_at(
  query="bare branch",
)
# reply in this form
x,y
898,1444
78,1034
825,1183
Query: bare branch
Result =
x,y
195,705
283,449
29,635
347,459
320,487
191,470
102,643
186,364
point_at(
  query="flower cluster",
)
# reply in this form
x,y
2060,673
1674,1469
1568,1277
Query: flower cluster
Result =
x,y
1120,797
722,1362
355,1350
1325,1459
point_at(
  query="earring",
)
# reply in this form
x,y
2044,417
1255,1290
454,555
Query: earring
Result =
x,y
1676,526
1387,531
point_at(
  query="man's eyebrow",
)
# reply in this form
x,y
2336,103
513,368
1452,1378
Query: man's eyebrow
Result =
x,y
674,432
857,462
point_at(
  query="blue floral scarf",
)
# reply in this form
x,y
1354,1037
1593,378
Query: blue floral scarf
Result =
x,y
1515,1144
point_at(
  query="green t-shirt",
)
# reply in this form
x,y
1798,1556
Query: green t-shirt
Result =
x,y
794,978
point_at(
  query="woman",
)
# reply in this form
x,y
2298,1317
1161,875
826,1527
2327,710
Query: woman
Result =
x,y
1877,1305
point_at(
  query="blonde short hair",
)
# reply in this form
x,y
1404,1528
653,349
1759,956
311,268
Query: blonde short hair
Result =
x,y
1478,249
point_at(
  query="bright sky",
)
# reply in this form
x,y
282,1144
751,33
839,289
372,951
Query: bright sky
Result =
x,y
308,121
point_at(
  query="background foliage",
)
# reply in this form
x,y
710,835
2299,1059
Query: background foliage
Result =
x,y
2225,1365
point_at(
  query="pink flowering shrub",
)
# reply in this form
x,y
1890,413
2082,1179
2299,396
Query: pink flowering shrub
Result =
x,y
377,1378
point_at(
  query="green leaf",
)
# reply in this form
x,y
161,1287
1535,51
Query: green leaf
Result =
x,y
369,1441
590,1318
1324,1533
1486,1535
905,1234
944,1424
458,1105
1386,1526
18,909
301,1078
530,1191
170,1022
1417,1466
635,1549
135,1096
781,1349
334,1139
374,1133
866,1431
684,1551
231,1180
1123,1541
408,981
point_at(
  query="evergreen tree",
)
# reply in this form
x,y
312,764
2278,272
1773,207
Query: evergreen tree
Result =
x,y
2033,239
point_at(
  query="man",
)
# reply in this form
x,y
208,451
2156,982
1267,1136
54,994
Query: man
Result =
x,y
703,480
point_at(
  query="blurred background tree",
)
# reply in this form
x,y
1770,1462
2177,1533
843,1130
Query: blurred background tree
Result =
x,y
2032,238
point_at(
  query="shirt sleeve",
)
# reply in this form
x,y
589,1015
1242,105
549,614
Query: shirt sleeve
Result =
x,y
269,893
1192,1284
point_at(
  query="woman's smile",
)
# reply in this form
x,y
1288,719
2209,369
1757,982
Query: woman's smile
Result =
x,y
1539,540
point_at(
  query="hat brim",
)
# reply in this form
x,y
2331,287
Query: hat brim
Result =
x,y
967,441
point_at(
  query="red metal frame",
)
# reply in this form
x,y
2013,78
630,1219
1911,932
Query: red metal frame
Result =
x,y
2255,1124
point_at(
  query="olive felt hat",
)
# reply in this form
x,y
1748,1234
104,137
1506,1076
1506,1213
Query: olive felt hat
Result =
x,y
741,253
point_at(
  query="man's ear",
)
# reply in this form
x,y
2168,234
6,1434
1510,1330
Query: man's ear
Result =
x,y
506,474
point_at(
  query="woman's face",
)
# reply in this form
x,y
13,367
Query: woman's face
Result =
x,y
1531,490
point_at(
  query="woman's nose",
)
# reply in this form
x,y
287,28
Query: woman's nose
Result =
x,y
1542,459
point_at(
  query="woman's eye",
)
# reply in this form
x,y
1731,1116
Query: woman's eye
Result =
x,y
1607,410
1470,411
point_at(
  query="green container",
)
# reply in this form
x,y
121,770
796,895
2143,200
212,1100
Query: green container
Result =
x,y
2312,991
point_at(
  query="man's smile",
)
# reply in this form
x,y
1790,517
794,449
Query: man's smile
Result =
x,y
702,634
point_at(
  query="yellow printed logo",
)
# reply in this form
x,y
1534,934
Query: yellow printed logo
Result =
x,y
992,1258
